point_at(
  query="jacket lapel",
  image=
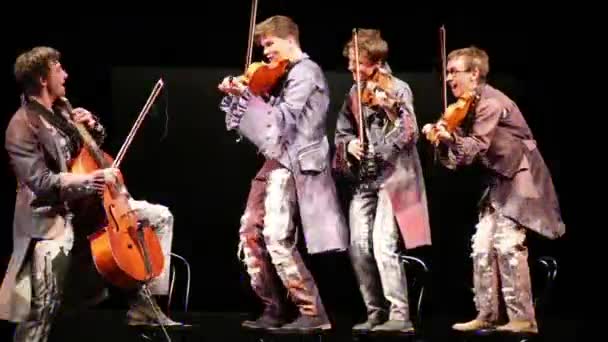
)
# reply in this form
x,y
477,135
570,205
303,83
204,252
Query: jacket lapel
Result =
x,y
47,135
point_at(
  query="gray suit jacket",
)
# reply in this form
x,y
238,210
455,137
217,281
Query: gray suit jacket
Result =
x,y
291,128
401,173
519,184
44,186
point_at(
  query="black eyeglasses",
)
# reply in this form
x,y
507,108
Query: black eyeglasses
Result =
x,y
452,72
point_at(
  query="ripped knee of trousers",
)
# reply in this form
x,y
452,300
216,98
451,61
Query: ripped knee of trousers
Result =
x,y
156,215
250,241
280,245
279,231
249,258
510,239
165,218
251,221
482,239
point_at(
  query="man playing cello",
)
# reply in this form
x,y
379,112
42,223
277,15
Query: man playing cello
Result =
x,y
41,140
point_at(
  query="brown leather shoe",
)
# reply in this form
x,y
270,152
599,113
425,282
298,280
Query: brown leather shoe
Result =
x,y
474,325
305,323
265,321
519,327
401,326
137,317
367,325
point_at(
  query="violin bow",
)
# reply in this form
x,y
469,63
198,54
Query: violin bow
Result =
x,y
443,79
358,83
443,66
252,18
155,91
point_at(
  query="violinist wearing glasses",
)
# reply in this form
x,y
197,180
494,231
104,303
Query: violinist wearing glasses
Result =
x,y
378,154
286,121
519,197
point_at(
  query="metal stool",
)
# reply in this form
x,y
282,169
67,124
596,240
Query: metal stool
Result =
x,y
550,266
418,280
175,256
154,334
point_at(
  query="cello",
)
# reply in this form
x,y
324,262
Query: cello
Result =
x,y
125,250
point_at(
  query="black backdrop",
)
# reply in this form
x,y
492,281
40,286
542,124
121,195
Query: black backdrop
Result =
x,y
183,158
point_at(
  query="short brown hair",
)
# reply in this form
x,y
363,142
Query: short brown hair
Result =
x,y
371,45
474,58
280,26
32,65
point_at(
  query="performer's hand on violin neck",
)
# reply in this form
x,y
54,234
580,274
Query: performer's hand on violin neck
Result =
x,y
437,131
232,85
81,115
380,96
355,148
426,129
443,135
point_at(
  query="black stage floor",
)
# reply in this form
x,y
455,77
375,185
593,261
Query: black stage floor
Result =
x,y
108,326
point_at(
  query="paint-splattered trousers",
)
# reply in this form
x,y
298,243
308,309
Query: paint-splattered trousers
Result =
x,y
374,251
500,267
50,261
268,242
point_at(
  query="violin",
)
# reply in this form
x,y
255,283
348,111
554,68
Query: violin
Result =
x,y
260,77
378,89
452,117
126,251
454,114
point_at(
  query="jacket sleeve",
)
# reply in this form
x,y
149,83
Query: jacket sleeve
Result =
x,y
265,125
299,86
28,162
233,107
403,133
346,129
466,148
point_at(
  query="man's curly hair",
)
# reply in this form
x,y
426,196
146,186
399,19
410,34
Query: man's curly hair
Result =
x,y
33,65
